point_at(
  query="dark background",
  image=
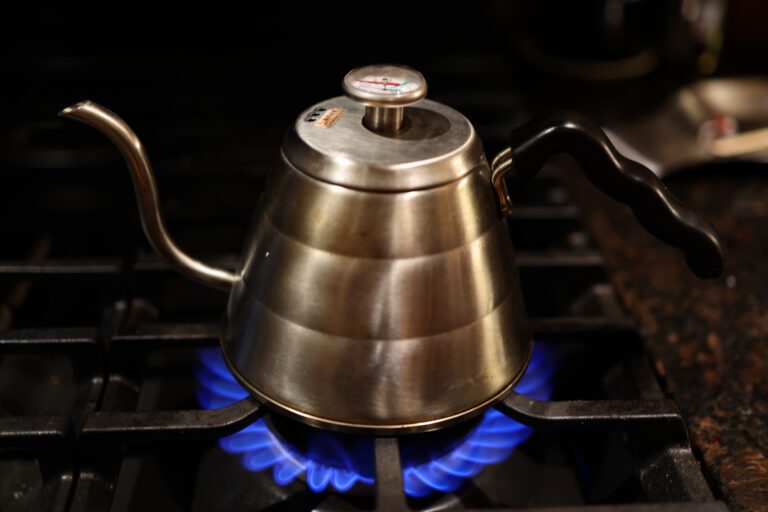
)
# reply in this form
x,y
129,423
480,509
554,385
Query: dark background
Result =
x,y
211,90
55,54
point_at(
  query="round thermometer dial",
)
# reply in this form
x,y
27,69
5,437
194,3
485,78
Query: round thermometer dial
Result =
x,y
385,85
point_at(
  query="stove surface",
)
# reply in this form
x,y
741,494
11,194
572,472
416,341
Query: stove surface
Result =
x,y
101,342
106,417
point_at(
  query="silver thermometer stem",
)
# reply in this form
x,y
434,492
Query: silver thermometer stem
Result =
x,y
385,120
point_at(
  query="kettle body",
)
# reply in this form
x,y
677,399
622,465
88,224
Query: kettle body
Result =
x,y
378,290
369,300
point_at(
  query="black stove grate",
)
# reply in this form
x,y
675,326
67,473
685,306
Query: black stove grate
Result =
x,y
79,454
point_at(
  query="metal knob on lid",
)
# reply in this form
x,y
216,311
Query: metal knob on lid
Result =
x,y
385,90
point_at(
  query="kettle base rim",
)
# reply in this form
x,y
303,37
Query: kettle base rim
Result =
x,y
378,429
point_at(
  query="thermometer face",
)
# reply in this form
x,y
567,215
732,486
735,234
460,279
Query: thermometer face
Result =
x,y
385,86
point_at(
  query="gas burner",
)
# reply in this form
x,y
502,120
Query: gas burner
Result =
x,y
432,462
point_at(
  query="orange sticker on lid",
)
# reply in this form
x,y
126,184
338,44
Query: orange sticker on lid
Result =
x,y
329,118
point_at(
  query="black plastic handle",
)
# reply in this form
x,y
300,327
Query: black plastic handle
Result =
x,y
654,206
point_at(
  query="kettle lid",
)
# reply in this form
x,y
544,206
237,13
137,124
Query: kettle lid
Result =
x,y
383,135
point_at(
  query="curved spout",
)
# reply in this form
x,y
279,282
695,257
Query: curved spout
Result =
x,y
132,150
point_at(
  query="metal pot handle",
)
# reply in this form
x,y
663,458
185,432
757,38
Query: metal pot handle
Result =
x,y
627,181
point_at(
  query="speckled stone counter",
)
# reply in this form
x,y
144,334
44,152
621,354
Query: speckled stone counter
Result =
x,y
708,339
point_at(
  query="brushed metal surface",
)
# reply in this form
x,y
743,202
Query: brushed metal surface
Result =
x,y
437,146
384,386
381,298
383,120
362,309
379,225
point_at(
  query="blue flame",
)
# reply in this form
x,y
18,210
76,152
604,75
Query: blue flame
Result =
x,y
340,462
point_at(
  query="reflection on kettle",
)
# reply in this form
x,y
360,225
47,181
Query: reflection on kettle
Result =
x,y
378,289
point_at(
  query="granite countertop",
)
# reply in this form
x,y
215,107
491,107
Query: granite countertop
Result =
x,y
707,339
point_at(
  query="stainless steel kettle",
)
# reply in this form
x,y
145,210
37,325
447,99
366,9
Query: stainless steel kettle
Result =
x,y
378,289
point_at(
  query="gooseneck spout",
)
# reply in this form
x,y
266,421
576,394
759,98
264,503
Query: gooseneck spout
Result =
x,y
144,184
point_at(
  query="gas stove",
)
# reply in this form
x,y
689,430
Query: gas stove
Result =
x,y
114,395
107,416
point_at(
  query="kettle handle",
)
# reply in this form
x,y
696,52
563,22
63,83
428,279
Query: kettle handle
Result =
x,y
627,181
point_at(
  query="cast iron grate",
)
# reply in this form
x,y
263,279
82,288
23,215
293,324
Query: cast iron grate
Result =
x,y
79,454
